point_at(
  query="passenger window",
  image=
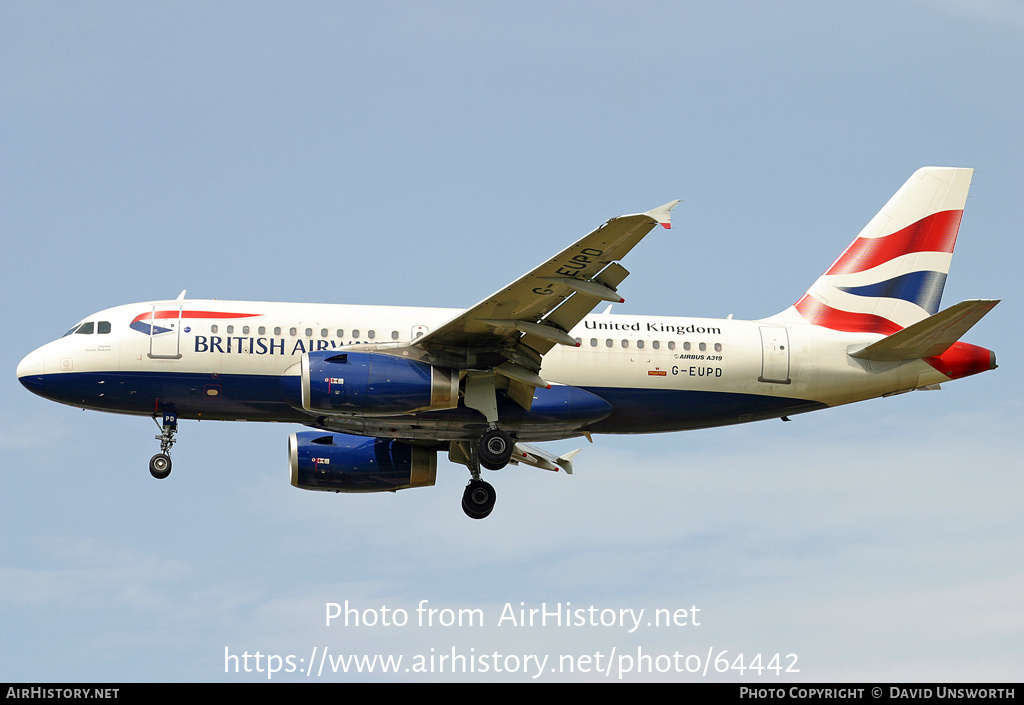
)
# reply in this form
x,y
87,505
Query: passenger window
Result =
x,y
309,332
277,330
593,342
655,344
231,330
214,328
686,346
625,343
323,332
293,331
262,330
103,327
671,345
609,343
355,333
702,347
394,335
85,329
245,330
370,334
640,344
718,347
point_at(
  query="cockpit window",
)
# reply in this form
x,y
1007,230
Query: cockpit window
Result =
x,y
103,328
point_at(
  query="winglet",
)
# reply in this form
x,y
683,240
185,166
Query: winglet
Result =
x,y
663,214
565,461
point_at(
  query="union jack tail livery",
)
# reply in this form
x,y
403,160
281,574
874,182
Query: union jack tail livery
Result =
x,y
891,276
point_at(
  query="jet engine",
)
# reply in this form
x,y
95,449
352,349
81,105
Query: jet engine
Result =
x,y
339,462
374,384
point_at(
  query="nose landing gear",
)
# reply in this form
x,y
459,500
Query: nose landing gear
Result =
x,y
160,464
492,451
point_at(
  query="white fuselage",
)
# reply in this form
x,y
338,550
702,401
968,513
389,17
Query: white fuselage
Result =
x,y
226,360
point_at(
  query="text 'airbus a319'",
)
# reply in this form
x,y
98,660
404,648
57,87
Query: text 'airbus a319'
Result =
x,y
387,388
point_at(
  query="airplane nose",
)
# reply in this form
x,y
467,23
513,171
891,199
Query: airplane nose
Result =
x,y
30,371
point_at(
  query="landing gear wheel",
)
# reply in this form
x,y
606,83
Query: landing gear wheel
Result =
x,y
160,466
495,449
478,499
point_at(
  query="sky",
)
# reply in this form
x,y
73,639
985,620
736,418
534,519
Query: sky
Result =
x,y
427,153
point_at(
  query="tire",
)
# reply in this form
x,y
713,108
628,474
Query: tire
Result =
x,y
478,499
160,466
495,449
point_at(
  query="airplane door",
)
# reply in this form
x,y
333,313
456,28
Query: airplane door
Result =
x,y
774,355
165,332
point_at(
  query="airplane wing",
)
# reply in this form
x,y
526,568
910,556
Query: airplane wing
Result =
x,y
513,328
532,455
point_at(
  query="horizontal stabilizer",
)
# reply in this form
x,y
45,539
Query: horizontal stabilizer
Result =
x,y
930,337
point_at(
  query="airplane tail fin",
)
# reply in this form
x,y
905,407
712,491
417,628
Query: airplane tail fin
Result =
x,y
892,275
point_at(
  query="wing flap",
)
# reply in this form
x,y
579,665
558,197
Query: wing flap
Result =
x,y
575,309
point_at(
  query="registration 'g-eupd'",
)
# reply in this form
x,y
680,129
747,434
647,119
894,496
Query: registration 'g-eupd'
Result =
x,y
387,388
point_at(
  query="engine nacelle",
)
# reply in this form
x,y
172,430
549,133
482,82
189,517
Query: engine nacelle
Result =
x,y
374,384
339,462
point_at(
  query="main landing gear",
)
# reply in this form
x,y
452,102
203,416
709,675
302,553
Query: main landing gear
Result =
x,y
493,451
160,464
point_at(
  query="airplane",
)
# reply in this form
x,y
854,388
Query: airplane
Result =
x,y
385,389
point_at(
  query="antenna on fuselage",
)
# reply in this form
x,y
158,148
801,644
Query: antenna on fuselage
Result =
x,y
181,296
